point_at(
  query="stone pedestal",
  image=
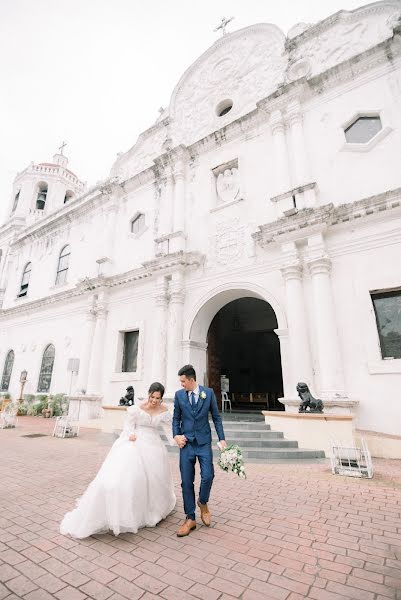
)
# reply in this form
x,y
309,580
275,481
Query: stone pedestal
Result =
x,y
113,418
84,407
315,431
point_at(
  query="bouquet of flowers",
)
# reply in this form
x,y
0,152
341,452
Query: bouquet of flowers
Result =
x,y
231,460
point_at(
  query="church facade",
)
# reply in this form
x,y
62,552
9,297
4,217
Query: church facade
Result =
x,y
254,231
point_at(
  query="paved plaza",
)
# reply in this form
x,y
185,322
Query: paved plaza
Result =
x,y
290,531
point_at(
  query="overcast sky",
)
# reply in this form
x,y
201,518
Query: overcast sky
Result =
x,y
95,72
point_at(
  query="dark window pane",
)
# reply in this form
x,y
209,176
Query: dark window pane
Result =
x,y
138,223
388,317
363,130
130,353
46,369
8,368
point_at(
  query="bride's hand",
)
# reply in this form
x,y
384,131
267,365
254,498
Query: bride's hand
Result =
x,y
132,437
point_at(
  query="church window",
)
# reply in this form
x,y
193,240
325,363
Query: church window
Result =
x,y
63,264
41,197
68,196
363,129
130,351
387,307
224,107
16,199
46,369
25,280
8,368
138,223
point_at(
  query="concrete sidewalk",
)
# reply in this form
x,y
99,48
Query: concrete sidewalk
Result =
x,y
290,531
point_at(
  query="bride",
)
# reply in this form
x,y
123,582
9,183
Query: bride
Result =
x,y
134,486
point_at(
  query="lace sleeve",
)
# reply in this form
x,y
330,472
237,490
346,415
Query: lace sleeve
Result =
x,y
165,423
130,423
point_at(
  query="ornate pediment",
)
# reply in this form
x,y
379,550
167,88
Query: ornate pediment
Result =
x,y
340,37
240,68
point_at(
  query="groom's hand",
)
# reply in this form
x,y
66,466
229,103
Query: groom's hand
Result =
x,y
223,444
180,440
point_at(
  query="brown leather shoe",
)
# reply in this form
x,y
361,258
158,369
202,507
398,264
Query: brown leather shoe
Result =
x,y
205,514
186,528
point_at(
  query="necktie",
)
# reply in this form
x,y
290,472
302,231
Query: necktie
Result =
x,y
192,399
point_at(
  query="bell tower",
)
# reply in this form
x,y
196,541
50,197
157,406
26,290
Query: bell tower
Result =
x,y
43,188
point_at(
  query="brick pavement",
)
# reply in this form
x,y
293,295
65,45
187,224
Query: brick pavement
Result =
x,y
288,532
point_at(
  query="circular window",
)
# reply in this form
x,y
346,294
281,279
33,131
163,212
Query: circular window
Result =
x,y
224,107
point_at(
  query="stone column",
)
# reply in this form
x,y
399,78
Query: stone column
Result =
x,y
86,352
280,152
175,331
299,349
331,376
160,332
282,335
96,371
300,170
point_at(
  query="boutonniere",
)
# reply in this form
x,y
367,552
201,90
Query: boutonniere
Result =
x,y
202,395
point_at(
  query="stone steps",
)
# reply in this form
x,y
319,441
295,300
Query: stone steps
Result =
x,y
258,442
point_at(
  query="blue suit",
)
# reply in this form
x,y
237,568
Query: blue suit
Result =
x,y
193,422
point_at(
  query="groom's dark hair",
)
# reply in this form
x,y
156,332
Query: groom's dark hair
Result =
x,y
188,371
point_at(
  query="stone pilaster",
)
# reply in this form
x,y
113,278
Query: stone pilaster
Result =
x,y
277,126
175,330
97,356
330,369
160,332
299,348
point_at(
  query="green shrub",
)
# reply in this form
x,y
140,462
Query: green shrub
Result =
x,y
55,404
23,409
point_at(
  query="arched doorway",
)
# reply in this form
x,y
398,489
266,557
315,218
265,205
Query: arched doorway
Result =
x,y
243,348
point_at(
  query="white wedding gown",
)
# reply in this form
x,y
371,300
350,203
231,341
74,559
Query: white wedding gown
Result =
x,y
134,486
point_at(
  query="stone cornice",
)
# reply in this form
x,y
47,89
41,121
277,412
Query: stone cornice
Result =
x,y
173,261
307,221
342,15
157,266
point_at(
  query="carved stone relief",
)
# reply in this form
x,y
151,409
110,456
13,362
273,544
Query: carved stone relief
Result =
x,y
229,241
227,185
245,67
354,33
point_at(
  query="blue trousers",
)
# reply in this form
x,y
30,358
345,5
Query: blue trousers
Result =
x,y
188,456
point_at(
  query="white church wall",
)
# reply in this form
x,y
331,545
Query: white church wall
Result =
x,y
344,172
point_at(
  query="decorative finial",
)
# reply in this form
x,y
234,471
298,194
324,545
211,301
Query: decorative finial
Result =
x,y
63,145
223,25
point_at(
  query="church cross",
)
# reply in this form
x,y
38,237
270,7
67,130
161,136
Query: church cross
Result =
x,y
63,145
223,25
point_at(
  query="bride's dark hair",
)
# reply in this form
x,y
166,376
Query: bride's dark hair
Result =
x,y
156,387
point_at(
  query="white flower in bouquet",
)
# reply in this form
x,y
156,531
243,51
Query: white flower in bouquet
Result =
x,y
231,460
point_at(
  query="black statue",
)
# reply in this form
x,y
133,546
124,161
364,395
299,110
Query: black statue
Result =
x,y
309,404
128,399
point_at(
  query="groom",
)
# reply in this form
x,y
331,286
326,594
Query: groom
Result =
x,y
191,431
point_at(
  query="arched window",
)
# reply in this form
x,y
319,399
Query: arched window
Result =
x,y
8,369
68,196
41,197
16,198
62,267
46,369
25,280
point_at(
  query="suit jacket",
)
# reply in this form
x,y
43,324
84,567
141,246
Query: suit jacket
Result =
x,y
194,423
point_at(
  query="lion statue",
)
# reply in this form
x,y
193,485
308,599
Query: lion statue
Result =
x,y
308,402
